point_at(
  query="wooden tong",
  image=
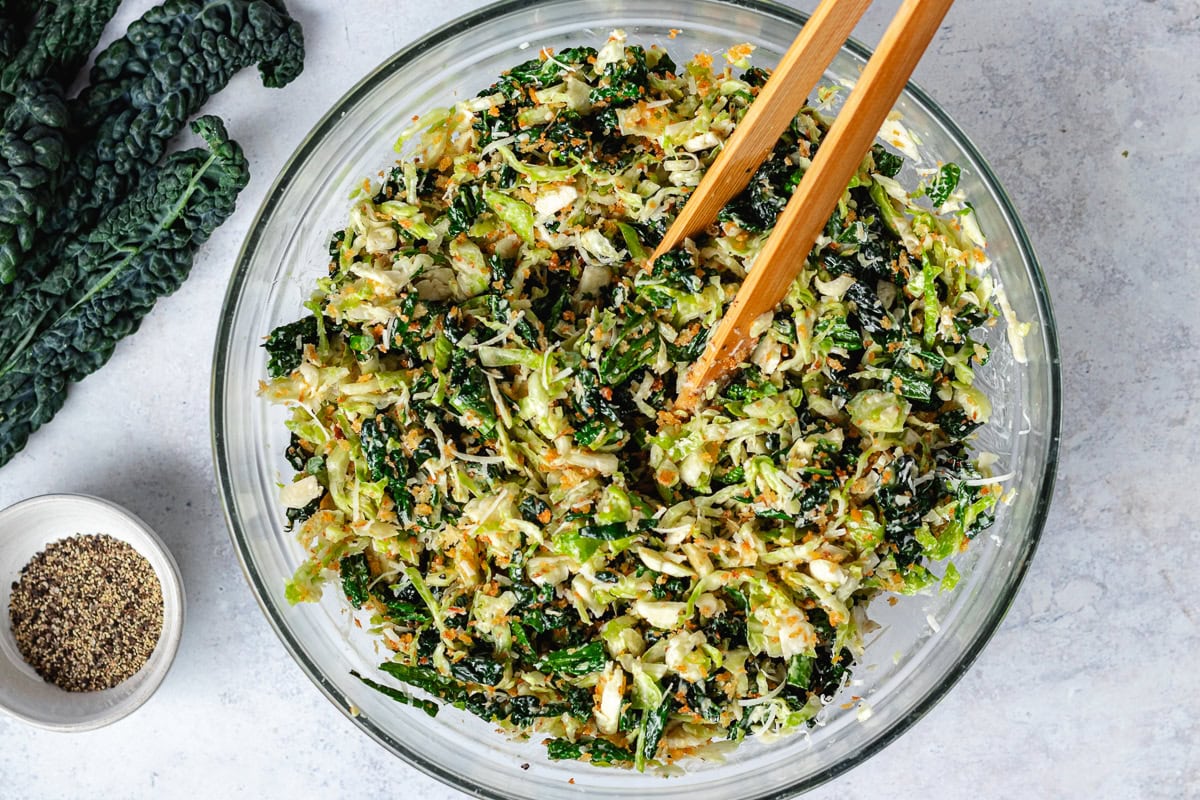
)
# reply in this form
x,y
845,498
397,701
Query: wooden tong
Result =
x,y
842,151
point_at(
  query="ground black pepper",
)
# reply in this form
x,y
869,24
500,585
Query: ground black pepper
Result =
x,y
86,612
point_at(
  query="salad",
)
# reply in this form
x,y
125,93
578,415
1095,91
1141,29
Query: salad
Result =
x,y
488,463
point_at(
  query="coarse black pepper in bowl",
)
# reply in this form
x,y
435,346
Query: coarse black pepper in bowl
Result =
x,y
93,612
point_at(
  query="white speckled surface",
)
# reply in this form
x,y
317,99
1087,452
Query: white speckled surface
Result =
x,y
1089,113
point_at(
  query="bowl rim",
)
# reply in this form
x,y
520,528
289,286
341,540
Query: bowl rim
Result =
x,y
414,51
174,611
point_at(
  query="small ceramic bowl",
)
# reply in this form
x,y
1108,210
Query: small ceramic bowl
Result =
x,y
25,530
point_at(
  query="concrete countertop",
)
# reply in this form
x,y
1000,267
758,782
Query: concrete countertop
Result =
x,y
1089,111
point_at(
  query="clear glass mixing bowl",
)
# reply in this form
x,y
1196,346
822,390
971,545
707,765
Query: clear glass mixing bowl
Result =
x,y
924,643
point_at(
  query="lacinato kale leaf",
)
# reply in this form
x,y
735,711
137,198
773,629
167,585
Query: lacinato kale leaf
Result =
x,y
887,163
538,73
285,345
428,680
145,86
379,437
15,19
478,669
33,157
770,188
574,660
564,750
902,503
655,725
599,751
106,280
428,706
470,395
534,509
356,577
632,349
465,208
868,312
59,43
945,182
606,532
956,424
622,82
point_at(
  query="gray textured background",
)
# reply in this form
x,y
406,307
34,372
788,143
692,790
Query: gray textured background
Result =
x,y
1090,114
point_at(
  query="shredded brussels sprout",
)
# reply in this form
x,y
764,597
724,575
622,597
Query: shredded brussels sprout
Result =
x,y
482,427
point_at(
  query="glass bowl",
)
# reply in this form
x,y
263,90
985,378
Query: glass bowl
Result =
x,y
924,644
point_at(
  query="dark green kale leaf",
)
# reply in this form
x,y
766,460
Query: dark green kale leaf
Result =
x,y
108,279
537,608
604,752
945,182
502,310
902,503
464,209
670,588
837,331
868,312
295,515
828,669
469,393
379,438
428,706
571,139
534,509
59,43
654,723
728,630
356,578
633,348
622,82
678,270
886,162
480,670
429,680
605,532
285,346
956,424
756,76
296,453
16,17
917,370
750,385
564,750
690,350
500,125
145,86
537,73
599,751
483,670
405,603
770,188
706,699
33,157
574,661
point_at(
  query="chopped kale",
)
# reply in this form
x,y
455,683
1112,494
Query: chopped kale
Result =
x,y
478,669
464,209
943,184
356,577
575,660
956,424
760,203
886,162
285,345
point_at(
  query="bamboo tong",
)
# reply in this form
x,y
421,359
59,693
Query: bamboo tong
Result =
x,y
840,154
